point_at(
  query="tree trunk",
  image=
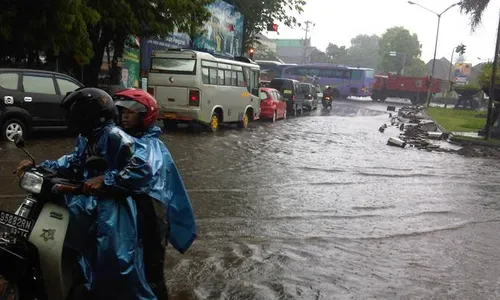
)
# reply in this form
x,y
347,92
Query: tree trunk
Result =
x,y
100,39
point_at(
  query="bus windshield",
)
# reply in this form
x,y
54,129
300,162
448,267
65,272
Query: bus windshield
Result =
x,y
173,65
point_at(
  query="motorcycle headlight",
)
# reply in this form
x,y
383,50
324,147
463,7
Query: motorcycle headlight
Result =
x,y
31,182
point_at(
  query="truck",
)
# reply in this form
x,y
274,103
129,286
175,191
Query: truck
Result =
x,y
412,88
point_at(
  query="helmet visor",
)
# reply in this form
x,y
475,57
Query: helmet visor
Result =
x,y
131,105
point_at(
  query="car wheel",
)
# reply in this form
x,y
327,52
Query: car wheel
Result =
x,y
13,127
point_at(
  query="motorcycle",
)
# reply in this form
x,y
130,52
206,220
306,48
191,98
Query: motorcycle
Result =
x,y
327,102
34,261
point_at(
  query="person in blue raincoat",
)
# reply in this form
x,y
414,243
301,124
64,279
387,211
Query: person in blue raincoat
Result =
x,y
138,112
103,227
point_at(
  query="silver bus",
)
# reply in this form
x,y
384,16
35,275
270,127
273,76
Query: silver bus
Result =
x,y
193,86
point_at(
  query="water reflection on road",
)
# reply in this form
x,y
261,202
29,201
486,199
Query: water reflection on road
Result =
x,y
319,207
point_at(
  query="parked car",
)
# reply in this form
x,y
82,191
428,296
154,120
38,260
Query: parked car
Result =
x,y
265,83
272,104
290,89
311,96
32,100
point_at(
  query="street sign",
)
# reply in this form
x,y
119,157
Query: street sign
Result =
x,y
393,53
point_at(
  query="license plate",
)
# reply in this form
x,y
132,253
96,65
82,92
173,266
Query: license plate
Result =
x,y
170,115
287,92
15,225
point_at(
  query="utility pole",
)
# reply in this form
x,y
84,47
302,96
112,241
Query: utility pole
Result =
x,y
490,121
307,29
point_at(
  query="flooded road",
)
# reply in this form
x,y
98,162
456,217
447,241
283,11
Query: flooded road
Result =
x,y
319,207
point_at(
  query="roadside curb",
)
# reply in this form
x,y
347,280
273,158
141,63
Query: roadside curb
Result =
x,y
441,128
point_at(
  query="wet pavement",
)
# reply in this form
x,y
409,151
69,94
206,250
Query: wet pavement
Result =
x,y
319,207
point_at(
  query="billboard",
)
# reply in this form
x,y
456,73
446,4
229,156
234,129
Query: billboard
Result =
x,y
463,72
130,70
223,35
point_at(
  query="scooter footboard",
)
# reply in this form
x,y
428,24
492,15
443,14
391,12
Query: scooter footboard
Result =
x,y
48,236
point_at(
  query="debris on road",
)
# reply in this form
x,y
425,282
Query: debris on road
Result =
x,y
396,142
418,131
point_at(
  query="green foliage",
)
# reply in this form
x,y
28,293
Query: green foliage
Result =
x,y
484,77
264,53
457,120
29,27
400,40
470,89
260,13
474,8
415,67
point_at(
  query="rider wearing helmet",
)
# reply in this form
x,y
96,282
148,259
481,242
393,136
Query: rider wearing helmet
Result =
x,y
328,91
138,112
103,227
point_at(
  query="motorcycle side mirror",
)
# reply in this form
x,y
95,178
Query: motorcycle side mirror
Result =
x,y
19,142
97,163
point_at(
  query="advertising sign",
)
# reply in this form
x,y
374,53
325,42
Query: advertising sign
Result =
x,y
462,73
223,33
130,70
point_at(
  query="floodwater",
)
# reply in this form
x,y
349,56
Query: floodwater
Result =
x,y
319,207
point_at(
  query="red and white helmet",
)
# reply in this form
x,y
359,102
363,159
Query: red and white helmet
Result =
x,y
139,101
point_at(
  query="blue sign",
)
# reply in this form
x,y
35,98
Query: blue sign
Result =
x,y
174,40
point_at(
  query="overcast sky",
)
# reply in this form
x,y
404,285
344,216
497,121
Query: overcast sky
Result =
x,y
337,21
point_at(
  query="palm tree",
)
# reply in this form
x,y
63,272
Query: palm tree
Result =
x,y
474,8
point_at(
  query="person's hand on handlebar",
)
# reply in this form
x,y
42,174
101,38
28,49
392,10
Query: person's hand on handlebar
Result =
x,y
22,166
93,185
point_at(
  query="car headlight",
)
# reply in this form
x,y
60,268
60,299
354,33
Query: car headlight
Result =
x,y
31,182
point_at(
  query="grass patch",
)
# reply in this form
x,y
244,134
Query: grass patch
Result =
x,y
474,140
457,120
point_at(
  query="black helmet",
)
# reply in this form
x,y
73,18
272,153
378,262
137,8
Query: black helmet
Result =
x,y
88,109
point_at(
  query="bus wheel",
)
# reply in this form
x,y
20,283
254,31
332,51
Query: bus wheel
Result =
x,y
245,121
214,122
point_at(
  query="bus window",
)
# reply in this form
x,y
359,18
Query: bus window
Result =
x,y
227,77
346,74
241,79
220,76
205,75
356,74
369,74
173,65
213,76
234,78
255,79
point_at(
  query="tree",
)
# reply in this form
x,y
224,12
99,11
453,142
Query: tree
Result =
x,y
260,13
264,53
399,40
474,8
50,27
336,53
416,67
363,52
318,56
484,77
145,18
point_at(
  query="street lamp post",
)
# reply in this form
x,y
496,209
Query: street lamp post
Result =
x,y
435,46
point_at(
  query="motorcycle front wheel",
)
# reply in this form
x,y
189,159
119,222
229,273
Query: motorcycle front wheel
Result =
x,y
8,290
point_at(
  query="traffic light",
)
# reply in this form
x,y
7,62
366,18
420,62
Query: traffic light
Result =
x,y
460,49
272,27
251,52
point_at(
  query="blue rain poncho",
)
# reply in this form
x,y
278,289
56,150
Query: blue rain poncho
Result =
x,y
167,187
104,229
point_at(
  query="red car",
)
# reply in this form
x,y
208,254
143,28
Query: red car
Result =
x,y
272,104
